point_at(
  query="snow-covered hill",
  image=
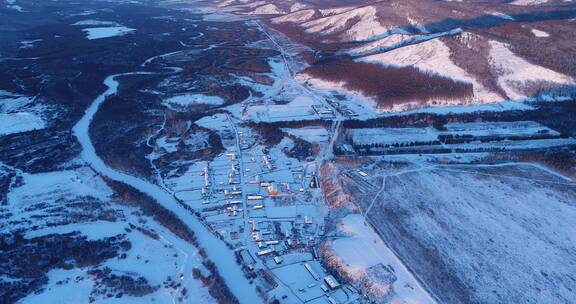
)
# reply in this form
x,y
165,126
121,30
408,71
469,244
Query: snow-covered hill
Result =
x,y
486,45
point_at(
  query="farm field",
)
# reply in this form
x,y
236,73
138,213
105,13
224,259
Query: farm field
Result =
x,y
493,234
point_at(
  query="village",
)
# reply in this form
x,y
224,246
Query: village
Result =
x,y
267,207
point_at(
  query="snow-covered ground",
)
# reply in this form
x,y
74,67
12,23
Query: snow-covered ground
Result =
x,y
267,9
206,187
19,122
91,22
13,5
487,236
361,106
402,40
28,44
106,32
516,76
396,40
364,108
349,23
516,128
433,56
310,134
362,248
192,99
298,6
501,135
154,259
56,292
100,29
501,15
51,185
528,2
428,54
19,113
295,17
393,135
355,24
287,99
539,33
295,101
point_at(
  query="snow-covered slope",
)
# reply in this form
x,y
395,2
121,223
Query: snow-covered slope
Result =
x,y
355,24
348,23
433,56
268,9
407,33
295,17
396,40
298,6
518,77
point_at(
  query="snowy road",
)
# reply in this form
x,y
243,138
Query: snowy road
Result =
x,y
223,257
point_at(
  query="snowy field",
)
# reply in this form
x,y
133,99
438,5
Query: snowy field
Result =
x,y
309,134
19,113
300,102
78,200
19,122
393,135
98,29
516,128
106,32
91,22
525,135
192,99
494,234
362,249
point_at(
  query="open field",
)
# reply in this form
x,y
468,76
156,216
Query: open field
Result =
x,y
455,137
493,234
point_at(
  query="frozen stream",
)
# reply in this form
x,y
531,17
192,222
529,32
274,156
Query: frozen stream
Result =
x,y
217,251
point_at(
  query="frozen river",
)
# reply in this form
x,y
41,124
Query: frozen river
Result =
x,y
221,255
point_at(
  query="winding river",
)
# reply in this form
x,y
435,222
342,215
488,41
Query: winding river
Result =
x,y
222,256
